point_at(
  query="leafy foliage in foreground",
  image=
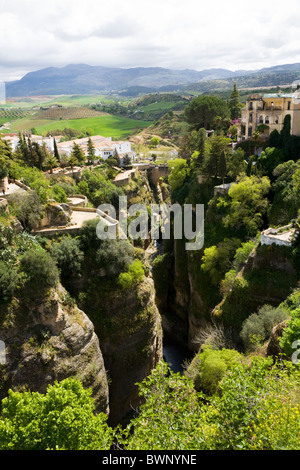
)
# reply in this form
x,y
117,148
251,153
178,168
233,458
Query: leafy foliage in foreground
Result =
x,y
257,408
63,419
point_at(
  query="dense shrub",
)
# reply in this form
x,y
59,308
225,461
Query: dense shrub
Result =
x,y
258,326
88,236
69,256
115,256
257,408
62,419
291,334
8,281
209,367
27,208
133,276
40,268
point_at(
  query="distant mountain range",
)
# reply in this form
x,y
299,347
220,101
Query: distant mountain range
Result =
x,y
87,79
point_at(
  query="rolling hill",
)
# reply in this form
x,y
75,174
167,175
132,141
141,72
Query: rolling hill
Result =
x,y
86,79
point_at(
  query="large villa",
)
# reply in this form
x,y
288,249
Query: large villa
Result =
x,y
104,146
266,112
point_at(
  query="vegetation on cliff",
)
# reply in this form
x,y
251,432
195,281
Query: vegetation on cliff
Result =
x,y
236,300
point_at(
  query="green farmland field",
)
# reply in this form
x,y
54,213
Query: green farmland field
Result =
x,y
63,100
108,126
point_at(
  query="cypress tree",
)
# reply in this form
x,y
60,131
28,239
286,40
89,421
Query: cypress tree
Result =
x,y
91,150
56,154
222,166
234,103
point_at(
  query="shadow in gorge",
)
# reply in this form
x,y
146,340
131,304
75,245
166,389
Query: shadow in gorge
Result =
x,y
175,355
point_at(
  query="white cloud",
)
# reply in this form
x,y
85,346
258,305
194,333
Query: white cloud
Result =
x,y
168,33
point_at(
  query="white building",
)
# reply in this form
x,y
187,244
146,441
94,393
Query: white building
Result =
x,y
104,146
282,236
13,140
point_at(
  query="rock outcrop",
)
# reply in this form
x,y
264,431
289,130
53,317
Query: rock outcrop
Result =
x,y
273,347
128,325
48,339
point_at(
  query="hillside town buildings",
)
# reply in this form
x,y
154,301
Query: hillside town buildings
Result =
x,y
13,140
104,147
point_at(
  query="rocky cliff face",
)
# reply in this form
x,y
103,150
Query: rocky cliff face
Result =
x,y
267,277
192,301
128,325
181,298
49,339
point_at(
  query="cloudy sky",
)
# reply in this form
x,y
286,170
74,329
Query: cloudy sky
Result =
x,y
177,34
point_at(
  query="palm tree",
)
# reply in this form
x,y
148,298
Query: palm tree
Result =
x,y
51,163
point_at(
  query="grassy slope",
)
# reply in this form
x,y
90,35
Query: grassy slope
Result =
x,y
108,126
64,100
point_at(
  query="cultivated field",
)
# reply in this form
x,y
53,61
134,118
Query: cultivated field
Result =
x,y
106,125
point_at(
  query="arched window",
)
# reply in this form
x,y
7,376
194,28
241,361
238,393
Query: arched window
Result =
x,y
276,119
261,119
267,120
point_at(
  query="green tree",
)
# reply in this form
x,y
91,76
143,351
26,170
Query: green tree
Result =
x,y
72,161
234,103
168,416
256,407
285,135
269,159
62,419
126,160
115,256
248,204
22,147
134,275
117,157
209,367
218,144
39,268
291,334
222,166
55,149
68,256
201,148
5,159
78,154
27,208
286,199
179,173
154,141
203,110
258,326
236,163
51,163
8,281
275,139
216,260
91,151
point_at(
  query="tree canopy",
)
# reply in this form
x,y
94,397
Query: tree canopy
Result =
x,y
203,111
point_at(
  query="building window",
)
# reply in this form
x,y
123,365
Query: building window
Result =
x,y
250,117
261,119
250,131
267,121
289,105
250,105
276,119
